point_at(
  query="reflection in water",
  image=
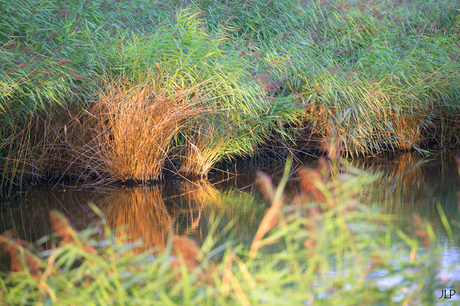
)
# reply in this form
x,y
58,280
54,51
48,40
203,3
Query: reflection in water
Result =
x,y
411,184
145,213
142,211
193,198
198,201
27,214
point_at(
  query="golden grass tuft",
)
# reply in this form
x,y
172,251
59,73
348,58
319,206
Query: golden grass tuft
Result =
x,y
125,135
203,149
131,129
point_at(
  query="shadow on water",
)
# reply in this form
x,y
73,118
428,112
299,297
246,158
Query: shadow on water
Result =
x,y
410,185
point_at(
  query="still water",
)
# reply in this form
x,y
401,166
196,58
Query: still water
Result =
x,y
411,184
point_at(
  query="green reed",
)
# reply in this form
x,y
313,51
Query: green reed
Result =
x,y
383,76
78,52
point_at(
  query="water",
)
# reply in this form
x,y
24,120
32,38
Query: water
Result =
x,y
410,185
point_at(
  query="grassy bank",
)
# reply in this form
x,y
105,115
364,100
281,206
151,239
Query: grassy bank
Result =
x,y
325,248
119,90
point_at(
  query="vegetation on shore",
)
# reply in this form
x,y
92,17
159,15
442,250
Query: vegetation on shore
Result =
x,y
121,90
324,248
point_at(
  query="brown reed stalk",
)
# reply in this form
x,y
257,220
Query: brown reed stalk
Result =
x,y
270,219
14,247
188,249
61,226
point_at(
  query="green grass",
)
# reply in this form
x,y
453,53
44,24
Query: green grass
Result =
x,y
332,251
382,75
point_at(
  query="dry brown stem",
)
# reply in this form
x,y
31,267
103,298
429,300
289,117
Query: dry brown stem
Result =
x,y
13,247
270,219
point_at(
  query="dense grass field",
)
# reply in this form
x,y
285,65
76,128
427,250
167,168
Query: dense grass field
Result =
x,y
324,248
123,90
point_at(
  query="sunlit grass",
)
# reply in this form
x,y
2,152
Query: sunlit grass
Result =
x,y
382,75
131,129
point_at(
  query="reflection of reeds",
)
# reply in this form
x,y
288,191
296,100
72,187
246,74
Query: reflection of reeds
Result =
x,y
199,200
200,193
412,184
401,175
403,167
345,244
143,212
196,196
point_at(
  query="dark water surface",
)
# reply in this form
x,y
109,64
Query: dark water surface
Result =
x,y
410,184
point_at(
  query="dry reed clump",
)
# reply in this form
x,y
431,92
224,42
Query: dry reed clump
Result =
x,y
408,131
131,129
400,133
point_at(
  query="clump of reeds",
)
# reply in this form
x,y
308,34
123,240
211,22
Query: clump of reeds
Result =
x,y
269,69
130,129
326,54
56,80
212,141
202,150
36,146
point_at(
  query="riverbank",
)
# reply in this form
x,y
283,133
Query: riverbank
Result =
x,y
119,90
